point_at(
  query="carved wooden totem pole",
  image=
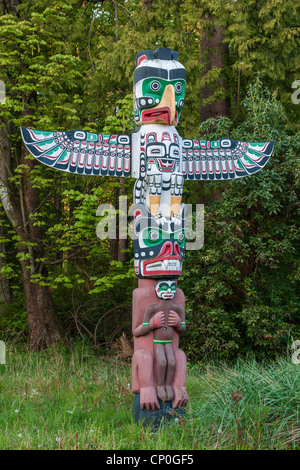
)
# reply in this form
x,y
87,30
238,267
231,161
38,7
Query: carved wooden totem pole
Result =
x,y
160,160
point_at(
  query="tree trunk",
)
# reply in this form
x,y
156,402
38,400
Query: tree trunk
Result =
x,y
44,326
8,6
5,291
147,4
213,52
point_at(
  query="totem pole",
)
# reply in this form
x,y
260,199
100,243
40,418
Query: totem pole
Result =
x,y
160,160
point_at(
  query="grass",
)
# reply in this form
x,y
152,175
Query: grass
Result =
x,y
75,399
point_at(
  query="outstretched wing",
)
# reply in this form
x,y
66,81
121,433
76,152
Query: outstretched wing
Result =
x,y
80,151
223,159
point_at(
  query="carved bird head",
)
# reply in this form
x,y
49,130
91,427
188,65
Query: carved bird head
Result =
x,y
158,89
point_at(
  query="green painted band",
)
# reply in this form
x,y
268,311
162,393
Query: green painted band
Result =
x,y
162,341
145,323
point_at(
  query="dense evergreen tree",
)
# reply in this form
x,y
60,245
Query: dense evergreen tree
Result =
x,y
69,65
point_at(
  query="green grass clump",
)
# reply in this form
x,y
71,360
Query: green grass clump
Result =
x,y
249,405
61,399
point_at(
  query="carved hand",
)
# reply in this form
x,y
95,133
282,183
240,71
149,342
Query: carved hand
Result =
x,y
174,319
157,320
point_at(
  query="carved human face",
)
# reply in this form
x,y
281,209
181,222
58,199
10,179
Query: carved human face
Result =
x,y
165,289
158,248
162,151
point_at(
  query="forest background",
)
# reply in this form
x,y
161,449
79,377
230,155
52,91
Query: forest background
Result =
x,y
69,65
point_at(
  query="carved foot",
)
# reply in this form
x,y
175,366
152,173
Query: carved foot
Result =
x,y
176,219
169,393
180,397
157,216
148,398
161,392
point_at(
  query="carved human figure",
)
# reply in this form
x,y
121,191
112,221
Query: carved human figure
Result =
x,y
163,318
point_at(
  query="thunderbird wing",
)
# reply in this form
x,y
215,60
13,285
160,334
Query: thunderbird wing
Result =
x,y
223,159
80,151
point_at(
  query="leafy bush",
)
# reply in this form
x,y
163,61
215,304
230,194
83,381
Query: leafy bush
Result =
x,y
241,288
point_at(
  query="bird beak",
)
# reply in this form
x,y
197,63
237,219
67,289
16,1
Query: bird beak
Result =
x,y
168,99
164,112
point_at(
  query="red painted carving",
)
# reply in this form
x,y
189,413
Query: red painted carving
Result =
x,y
157,371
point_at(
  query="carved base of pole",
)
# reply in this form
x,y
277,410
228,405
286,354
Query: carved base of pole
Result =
x,y
166,412
157,373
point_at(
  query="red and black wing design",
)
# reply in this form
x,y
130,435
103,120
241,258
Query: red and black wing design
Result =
x,y
81,152
223,159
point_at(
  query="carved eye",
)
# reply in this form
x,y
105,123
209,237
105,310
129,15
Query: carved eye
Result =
x,y
181,236
180,104
155,149
155,85
178,87
174,150
163,287
153,235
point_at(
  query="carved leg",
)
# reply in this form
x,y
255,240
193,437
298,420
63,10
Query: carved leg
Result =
x,y
175,206
160,370
155,186
143,380
154,205
176,195
179,382
170,371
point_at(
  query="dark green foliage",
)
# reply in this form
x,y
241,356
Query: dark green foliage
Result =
x,y
241,288
71,64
